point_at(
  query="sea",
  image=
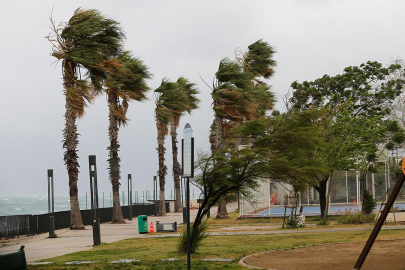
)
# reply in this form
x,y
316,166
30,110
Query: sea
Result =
x,y
35,205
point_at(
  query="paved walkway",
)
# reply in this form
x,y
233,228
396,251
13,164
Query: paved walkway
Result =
x,y
41,247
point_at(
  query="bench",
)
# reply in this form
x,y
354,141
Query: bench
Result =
x,y
13,260
166,227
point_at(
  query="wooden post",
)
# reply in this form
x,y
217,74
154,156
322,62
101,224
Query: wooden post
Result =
x,y
379,223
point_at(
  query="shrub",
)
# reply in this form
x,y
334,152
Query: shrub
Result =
x,y
196,237
356,217
369,203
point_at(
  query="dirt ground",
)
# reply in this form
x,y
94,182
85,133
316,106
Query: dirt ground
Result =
x,y
383,255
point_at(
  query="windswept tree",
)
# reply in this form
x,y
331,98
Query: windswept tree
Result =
x,y
126,82
356,122
282,145
240,94
169,100
190,104
85,46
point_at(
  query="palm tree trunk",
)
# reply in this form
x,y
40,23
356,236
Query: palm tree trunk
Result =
x,y
176,169
70,142
114,160
219,131
219,137
162,167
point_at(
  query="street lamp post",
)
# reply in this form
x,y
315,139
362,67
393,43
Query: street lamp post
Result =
x,y
51,204
129,197
187,165
94,201
155,192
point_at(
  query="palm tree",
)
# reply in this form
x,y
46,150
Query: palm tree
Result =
x,y
240,95
190,104
85,43
170,102
229,104
126,82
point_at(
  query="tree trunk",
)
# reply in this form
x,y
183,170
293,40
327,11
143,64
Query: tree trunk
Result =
x,y
117,212
176,169
321,188
70,142
114,160
222,211
162,167
76,222
219,132
219,137
328,194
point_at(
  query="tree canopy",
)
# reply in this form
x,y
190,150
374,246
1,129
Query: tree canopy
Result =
x,y
239,93
355,122
283,146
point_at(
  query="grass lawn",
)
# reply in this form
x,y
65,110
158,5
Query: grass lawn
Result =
x,y
151,250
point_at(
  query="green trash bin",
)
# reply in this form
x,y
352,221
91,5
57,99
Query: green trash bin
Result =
x,y
143,224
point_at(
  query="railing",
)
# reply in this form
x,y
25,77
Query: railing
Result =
x,y
11,226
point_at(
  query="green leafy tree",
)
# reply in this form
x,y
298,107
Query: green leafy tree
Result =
x,y
282,146
85,45
126,82
356,121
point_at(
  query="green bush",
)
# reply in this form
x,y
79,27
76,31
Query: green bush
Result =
x,y
196,238
356,217
369,203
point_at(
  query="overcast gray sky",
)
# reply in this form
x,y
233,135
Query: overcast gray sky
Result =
x,y
173,38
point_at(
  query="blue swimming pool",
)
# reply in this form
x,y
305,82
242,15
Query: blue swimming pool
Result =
x,y
277,211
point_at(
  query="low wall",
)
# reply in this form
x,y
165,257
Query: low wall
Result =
x,y
36,224
394,217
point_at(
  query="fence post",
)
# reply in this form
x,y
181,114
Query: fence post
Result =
x,y
307,194
373,185
357,187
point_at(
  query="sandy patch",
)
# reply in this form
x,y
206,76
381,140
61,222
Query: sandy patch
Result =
x,y
386,254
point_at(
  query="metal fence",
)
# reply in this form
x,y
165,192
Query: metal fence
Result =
x,y
35,224
253,200
344,189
